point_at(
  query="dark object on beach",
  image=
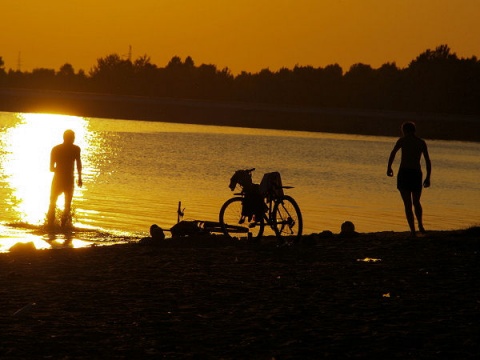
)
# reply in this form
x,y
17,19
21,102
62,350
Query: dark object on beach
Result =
x,y
156,232
325,234
23,247
348,229
157,236
188,228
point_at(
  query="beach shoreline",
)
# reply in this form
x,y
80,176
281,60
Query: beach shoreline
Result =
x,y
371,295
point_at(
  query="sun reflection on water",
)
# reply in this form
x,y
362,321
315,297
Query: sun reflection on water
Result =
x,y
26,157
12,238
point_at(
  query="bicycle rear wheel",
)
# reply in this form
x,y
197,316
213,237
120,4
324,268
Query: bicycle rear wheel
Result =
x,y
234,225
288,222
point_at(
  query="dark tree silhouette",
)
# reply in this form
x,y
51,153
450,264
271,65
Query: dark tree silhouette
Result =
x,y
3,74
112,74
435,81
145,77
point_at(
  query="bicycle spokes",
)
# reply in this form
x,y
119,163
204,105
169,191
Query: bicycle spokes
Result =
x,y
236,225
287,220
286,224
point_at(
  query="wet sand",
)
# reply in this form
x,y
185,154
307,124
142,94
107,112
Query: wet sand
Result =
x,y
370,296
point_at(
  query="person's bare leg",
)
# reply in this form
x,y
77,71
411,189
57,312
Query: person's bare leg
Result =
x,y
407,202
418,209
66,212
51,208
51,214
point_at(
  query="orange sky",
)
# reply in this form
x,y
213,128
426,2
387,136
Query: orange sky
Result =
x,y
245,35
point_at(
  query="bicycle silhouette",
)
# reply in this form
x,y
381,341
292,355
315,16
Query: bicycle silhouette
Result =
x,y
245,215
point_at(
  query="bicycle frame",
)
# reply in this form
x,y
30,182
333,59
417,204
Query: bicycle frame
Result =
x,y
280,212
270,201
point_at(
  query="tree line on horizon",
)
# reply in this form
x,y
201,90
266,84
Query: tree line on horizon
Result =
x,y
435,81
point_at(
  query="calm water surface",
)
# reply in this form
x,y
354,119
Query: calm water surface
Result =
x,y
136,172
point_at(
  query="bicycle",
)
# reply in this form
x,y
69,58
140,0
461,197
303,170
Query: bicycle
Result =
x,y
245,215
199,227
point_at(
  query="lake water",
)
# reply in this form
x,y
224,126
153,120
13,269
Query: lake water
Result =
x,y
136,172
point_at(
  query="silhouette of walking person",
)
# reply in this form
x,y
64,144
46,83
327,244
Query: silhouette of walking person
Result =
x,y
62,162
409,177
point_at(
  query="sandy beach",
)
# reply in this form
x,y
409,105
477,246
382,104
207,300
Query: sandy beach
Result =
x,y
370,296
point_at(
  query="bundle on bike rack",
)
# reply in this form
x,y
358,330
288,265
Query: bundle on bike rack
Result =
x,y
271,185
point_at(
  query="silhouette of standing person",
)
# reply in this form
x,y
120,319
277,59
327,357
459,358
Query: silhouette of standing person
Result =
x,y
62,162
409,177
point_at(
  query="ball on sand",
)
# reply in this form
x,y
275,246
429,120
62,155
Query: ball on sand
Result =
x,y
347,228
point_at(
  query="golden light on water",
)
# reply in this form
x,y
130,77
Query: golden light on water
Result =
x,y
40,243
26,161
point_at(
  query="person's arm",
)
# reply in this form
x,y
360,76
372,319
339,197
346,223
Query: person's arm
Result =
x,y
392,157
52,161
428,165
79,169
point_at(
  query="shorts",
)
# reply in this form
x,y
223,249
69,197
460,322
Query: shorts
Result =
x,y
409,179
62,185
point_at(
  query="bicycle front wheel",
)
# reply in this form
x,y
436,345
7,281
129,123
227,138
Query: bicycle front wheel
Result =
x,y
234,225
287,220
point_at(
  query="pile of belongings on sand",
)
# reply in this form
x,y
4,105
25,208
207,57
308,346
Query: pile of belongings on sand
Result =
x,y
181,229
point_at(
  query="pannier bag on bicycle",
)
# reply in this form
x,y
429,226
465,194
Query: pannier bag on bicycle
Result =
x,y
253,204
271,185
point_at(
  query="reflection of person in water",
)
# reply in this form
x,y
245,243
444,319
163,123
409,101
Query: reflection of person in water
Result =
x,y
62,162
409,178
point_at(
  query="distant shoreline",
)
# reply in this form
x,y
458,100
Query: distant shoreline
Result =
x,y
252,115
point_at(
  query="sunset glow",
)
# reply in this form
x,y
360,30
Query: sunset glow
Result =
x,y
243,35
26,163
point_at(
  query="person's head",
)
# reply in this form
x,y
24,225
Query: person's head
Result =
x,y
408,127
69,136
